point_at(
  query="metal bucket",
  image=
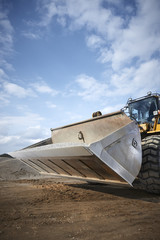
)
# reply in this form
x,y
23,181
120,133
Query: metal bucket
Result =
x,y
99,149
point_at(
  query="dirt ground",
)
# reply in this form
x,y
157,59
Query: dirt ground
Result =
x,y
32,207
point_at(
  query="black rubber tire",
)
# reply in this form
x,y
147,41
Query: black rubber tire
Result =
x,y
149,175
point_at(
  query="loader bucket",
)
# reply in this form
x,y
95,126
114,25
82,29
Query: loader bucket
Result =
x,y
103,148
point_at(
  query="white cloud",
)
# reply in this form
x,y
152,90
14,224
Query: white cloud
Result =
x,y
48,10
91,88
9,89
73,117
127,42
42,87
12,89
126,37
31,35
3,75
6,39
105,55
51,105
81,13
146,77
4,99
20,131
6,36
140,39
94,41
133,81
6,65
62,21
36,132
8,139
136,80
110,109
27,120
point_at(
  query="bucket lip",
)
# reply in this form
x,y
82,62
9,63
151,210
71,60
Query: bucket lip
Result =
x,y
90,120
51,146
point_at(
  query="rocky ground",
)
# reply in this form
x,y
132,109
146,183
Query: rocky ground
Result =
x,y
36,207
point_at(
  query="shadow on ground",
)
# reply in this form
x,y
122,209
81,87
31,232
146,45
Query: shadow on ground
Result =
x,y
120,190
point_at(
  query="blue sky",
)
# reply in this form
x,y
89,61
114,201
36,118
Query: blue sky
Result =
x,y
62,60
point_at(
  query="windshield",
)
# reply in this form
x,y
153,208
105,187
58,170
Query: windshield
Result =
x,y
142,111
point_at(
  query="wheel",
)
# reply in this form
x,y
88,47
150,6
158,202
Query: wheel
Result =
x,y
149,175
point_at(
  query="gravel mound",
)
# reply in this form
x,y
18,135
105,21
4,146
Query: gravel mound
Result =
x,y
13,169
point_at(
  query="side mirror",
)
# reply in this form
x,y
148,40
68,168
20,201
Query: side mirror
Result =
x,y
124,108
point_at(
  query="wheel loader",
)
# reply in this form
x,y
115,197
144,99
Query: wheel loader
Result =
x,y
146,112
123,146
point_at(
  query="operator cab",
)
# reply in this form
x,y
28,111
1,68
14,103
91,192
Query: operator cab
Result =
x,y
144,109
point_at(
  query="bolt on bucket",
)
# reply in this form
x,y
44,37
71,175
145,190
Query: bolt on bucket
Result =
x,y
103,148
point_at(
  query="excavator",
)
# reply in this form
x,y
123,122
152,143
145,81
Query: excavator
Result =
x,y
120,146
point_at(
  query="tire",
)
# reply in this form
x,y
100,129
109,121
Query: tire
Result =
x,y
149,175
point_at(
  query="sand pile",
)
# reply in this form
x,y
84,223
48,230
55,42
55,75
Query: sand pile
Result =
x,y
13,169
